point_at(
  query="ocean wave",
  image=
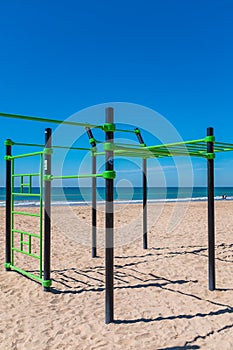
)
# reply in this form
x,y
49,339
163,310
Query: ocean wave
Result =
x,y
102,202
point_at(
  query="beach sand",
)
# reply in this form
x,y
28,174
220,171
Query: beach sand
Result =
x,y
161,294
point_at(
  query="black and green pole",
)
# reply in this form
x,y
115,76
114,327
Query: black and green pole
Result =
x,y
211,229
94,213
144,184
8,144
47,209
109,220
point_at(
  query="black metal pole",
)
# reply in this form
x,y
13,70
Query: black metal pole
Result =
x,y
144,184
109,224
145,245
8,206
47,208
94,213
211,229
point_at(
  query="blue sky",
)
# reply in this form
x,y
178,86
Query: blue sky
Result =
x,y
174,57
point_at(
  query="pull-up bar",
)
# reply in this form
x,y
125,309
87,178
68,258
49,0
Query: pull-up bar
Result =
x,y
48,120
42,146
105,127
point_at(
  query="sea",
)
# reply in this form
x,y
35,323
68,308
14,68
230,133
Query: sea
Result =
x,y
82,195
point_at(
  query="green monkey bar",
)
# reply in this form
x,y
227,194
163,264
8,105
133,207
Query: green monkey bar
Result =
x,y
196,148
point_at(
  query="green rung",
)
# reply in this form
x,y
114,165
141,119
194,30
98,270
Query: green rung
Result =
x,y
26,233
23,242
51,177
25,253
25,155
25,213
19,175
22,184
26,194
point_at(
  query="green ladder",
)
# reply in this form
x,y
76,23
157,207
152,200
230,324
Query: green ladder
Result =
x,y
25,244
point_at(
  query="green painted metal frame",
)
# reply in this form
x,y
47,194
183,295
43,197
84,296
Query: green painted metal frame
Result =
x,y
21,193
22,233
204,148
196,148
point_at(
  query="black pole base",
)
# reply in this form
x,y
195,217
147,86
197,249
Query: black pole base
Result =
x,y
94,253
212,283
145,242
109,321
47,289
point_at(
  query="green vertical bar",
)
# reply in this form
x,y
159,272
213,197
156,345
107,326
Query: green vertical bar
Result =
x,y
21,183
41,213
21,241
30,183
12,209
29,244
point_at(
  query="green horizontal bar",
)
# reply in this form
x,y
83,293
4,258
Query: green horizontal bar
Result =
x,y
25,213
26,253
153,154
127,145
158,149
160,154
23,242
26,194
28,274
26,233
223,147
99,153
146,152
119,152
73,148
225,144
48,120
26,155
179,149
175,144
28,144
196,146
75,176
124,130
42,146
19,175
224,150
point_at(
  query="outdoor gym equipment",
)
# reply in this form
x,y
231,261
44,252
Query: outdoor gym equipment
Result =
x,y
204,148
